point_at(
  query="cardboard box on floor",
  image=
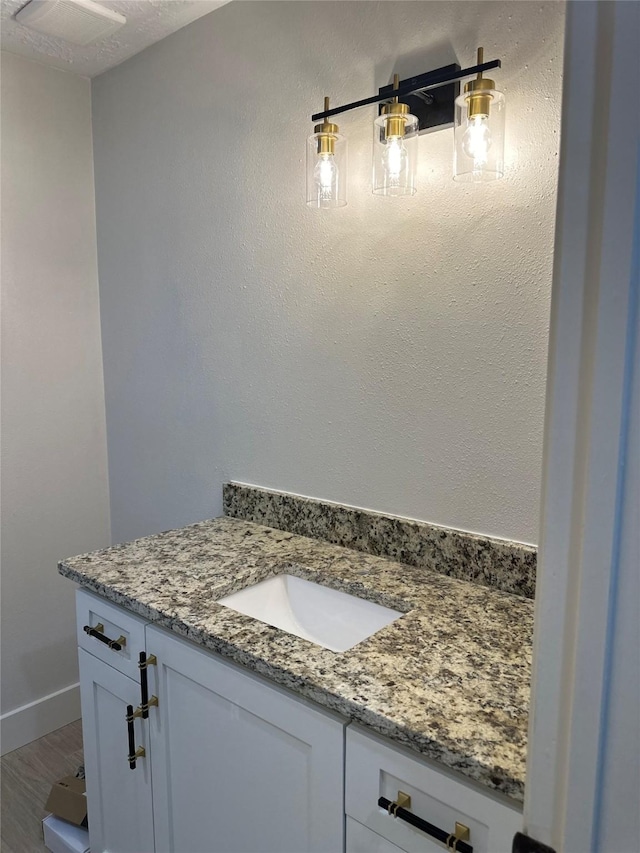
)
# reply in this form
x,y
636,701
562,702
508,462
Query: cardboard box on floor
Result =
x,y
68,800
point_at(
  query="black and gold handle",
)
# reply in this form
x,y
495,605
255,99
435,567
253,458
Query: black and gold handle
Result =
x,y
145,703
97,632
134,753
456,840
142,710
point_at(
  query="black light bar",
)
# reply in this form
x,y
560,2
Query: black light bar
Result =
x,y
411,85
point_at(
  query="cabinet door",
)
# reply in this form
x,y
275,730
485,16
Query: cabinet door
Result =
x,y
119,799
239,766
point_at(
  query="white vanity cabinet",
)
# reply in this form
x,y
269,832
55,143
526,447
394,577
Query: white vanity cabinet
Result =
x,y
231,763
239,766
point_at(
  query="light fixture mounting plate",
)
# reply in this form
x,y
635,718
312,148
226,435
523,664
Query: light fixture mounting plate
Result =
x,y
434,108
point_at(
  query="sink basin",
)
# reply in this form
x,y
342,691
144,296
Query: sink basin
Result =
x,y
329,618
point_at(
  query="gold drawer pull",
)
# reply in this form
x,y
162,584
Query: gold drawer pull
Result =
x,y
402,801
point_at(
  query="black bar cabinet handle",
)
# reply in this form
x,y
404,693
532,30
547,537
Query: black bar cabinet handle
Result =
x,y
132,738
144,686
96,632
134,753
446,838
144,663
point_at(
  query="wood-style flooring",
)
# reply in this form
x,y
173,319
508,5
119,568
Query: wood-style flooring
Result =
x,y
27,776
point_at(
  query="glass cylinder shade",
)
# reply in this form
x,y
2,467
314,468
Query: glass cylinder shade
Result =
x,y
395,141
479,135
326,170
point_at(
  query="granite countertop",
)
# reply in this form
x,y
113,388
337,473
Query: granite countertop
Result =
x,y
449,679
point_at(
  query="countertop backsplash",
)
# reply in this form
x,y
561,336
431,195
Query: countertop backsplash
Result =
x,y
507,566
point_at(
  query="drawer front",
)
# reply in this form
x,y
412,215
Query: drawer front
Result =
x,y
120,627
362,840
376,769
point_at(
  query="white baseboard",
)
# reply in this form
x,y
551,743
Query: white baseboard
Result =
x,y
39,718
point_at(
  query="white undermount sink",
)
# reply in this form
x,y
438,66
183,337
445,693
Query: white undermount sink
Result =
x,y
329,618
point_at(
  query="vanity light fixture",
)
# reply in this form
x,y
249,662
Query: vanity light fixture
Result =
x,y
429,101
479,130
326,165
395,137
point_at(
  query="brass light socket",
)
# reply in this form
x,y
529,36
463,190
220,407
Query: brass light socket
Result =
x,y
327,137
395,119
479,96
327,131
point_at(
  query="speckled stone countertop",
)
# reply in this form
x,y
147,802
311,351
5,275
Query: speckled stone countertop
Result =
x,y
449,679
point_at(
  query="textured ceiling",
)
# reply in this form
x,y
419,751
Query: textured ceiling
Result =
x,y
148,21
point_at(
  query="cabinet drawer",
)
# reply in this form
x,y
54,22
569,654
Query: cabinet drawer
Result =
x,y
118,625
376,769
362,840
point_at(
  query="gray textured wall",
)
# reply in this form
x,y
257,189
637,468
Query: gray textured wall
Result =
x,y
55,498
390,354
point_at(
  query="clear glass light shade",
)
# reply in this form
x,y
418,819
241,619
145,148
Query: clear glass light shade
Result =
x,y
395,141
479,136
326,170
